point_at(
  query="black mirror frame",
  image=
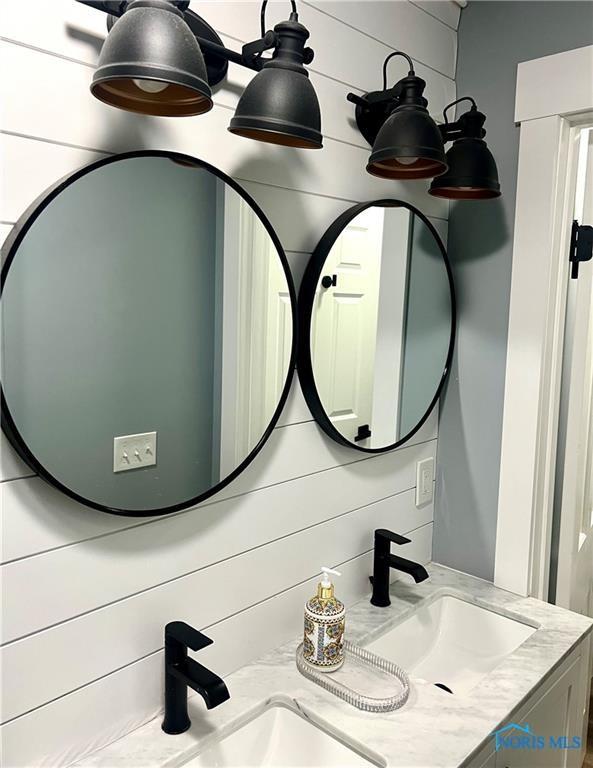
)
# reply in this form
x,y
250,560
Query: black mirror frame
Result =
x,y
7,255
305,309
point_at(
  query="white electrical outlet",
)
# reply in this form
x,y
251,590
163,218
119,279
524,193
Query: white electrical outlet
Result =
x,y
134,451
424,481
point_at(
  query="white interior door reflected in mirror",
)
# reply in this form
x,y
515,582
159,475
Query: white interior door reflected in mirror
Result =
x,y
256,329
345,329
377,319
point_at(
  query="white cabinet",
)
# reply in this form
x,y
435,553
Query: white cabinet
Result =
x,y
484,759
556,715
556,719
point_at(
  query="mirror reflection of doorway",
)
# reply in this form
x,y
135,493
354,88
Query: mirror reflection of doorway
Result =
x,y
379,326
344,332
256,328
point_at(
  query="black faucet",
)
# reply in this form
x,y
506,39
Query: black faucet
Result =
x,y
383,561
181,671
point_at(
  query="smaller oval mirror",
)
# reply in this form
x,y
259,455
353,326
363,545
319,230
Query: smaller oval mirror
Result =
x,y
377,325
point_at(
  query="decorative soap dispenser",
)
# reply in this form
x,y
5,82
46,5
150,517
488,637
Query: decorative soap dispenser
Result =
x,y
325,616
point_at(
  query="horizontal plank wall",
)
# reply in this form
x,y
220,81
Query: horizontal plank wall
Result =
x,y
85,595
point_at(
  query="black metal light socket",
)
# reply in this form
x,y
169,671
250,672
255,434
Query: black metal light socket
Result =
x,y
409,144
472,173
152,63
280,106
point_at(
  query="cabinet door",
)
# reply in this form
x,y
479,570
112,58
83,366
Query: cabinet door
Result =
x,y
557,713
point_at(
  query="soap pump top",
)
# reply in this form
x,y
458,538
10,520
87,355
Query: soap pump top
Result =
x,y
325,588
325,603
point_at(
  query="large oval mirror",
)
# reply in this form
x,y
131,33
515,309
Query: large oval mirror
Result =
x,y
377,325
148,333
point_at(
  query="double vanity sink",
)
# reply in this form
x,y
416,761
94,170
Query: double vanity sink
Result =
x,y
448,639
462,642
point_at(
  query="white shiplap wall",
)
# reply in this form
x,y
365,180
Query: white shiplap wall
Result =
x,y
85,596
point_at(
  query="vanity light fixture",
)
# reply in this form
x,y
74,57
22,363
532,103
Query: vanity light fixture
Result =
x,y
408,144
472,172
160,58
406,141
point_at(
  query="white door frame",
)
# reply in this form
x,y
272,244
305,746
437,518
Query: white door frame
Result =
x,y
554,96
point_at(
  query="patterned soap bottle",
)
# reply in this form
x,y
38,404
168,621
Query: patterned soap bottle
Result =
x,y
325,617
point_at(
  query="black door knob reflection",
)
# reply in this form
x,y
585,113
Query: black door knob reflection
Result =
x,y
328,280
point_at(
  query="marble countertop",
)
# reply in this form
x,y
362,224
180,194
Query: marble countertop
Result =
x,y
433,729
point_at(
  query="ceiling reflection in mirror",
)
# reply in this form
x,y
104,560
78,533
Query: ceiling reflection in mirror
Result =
x,y
149,295
381,326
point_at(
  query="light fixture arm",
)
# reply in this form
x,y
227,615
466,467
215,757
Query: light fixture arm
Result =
x,y
388,58
294,16
113,7
458,101
469,125
251,53
385,95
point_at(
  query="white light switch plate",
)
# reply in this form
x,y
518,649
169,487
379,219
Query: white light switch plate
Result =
x,y
134,451
424,481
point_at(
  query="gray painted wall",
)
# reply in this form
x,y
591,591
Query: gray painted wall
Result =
x,y
428,326
493,38
139,303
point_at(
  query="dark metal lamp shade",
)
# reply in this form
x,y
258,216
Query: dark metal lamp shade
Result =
x,y
472,173
280,106
409,145
151,63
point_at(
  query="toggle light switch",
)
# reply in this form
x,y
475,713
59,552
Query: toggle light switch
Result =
x,y
134,451
424,481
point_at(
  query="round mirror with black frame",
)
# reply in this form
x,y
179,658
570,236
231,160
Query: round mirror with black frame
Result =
x,y
149,333
377,324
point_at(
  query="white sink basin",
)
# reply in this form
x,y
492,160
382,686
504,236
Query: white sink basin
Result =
x,y
452,642
280,737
